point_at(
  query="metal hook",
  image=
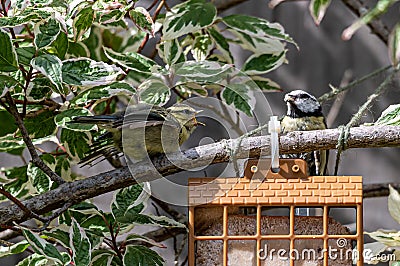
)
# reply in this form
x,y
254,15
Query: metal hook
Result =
x,y
274,128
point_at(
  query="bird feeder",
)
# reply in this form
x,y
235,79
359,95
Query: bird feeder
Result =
x,y
236,221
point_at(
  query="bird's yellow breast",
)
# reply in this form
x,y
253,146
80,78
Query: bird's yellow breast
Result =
x,y
289,124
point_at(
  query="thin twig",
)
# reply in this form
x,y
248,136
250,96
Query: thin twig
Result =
x,y
342,140
28,142
378,190
332,94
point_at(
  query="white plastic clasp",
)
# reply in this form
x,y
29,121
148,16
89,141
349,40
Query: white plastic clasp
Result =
x,y
274,128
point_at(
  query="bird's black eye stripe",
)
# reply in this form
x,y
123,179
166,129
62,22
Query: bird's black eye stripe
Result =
x,y
302,96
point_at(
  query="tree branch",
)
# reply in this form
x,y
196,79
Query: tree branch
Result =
x,y
252,147
28,142
378,190
376,25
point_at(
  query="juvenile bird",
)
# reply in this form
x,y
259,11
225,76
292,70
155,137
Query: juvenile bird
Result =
x,y
305,113
141,130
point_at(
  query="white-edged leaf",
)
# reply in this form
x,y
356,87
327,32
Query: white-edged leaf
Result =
x,y
141,255
34,260
221,43
201,47
171,52
7,83
264,84
372,252
14,249
386,237
79,244
82,22
193,88
76,143
394,45
237,94
187,17
131,199
43,247
46,32
39,180
28,15
263,63
142,19
390,116
318,8
154,91
273,3
259,45
50,66
8,56
131,60
102,258
88,73
135,237
101,93
257,27
204,71
394,204
64,119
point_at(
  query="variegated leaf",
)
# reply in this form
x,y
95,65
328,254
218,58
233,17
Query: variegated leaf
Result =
x,y
142,19
318,8
394,45
263,63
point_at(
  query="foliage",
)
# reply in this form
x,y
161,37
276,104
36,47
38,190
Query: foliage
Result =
x,y
386,238
78,58
61,59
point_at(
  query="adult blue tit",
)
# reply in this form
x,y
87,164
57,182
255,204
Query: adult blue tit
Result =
x,y
140,131
304,113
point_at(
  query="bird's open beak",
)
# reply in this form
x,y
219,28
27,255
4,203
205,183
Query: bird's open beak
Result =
x,y
289,98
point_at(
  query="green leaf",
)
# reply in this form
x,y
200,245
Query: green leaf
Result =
x,y
14,249
42,247
192,88
76,143
46,32
201,48
142,19
41,125
25,54
390,116
28,15
318,8
8,123
221,43
15,181
88,73
133,218
188,17
102,257
263,84
131,199
9,143
135,237
80,245
60,45
8,56
34,260
171,52
394,204
237,94
113,18
63,119
104,92
154,91
257,27
39,180
140,255
40,89
263,63
203,72
78,49
7,83
132,61
82,22
394,45
259,45
50,66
